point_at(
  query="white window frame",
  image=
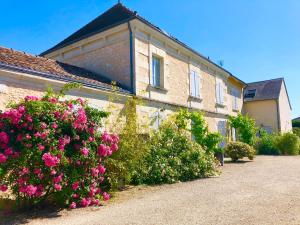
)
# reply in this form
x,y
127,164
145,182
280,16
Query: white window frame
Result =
x,y
219,92
156,81
235,97
195,84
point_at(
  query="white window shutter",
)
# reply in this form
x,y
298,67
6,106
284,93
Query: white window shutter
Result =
x,y
217,92
192,84
197,86
222,87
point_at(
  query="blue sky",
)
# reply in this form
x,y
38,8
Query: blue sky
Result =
x,y
257,39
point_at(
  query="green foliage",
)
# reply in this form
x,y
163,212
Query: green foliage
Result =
x,y
239,150
296,123
173,156
245,127
122,166
296,130
266,144
288,144
210,141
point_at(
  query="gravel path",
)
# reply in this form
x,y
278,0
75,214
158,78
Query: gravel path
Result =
x,y
266,191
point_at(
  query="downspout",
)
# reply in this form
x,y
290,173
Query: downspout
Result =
x,y
278,116
132,71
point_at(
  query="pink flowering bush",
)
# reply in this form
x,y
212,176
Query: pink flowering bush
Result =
x,y
52,150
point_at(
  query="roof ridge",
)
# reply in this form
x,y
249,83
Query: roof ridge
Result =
x,y
279,78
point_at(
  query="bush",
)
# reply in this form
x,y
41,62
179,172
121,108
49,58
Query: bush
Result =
x,y
239,150
245,128
173,156
296,130
288,144
123,165
266,144
51,150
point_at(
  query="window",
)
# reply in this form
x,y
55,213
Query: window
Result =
x,y
221,126
219,92
250,93
195,84
235,97
156,70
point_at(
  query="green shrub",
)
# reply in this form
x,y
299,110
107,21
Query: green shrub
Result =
x,y
266,144
296,123
239,150
210,141
133,145
296,130
288,144
173,156
245,128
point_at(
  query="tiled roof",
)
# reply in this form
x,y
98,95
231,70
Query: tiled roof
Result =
x,y
40,66
268,89
117,15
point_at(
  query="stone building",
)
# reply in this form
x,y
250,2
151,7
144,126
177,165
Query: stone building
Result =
x,y
141,58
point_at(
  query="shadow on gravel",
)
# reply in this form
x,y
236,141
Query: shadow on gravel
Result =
x,y
10,216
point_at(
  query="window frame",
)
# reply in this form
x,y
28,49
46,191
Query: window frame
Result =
x,y
156,81
195,84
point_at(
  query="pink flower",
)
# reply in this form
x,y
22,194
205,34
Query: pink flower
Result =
x,y
3,188
37,134
57,187
41,147
85,151
27,136
73,205
75,185
39,191
106,196
75,196
28,118
94,172
43,126
115,138
21,109
50,160
52,172
80,120
15,155
58,179
95,202
24,171
8,151
102,150
37,171
3,158
114,147
4,139
101,169
85,202
30,190
41,176
31,98
105,137
54,125
19,137
91,139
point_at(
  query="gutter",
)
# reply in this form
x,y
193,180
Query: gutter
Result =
x,y
132,72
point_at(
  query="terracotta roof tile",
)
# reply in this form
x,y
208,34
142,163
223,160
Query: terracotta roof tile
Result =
x,y
22,61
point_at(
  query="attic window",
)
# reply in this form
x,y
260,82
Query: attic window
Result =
x,y
250,93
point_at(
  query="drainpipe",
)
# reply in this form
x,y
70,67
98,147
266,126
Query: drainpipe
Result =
x,y
278,116
132,70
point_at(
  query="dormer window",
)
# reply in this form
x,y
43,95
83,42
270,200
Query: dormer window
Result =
x,y
250,93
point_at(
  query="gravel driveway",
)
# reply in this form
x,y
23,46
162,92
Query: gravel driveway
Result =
x,y
266,191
